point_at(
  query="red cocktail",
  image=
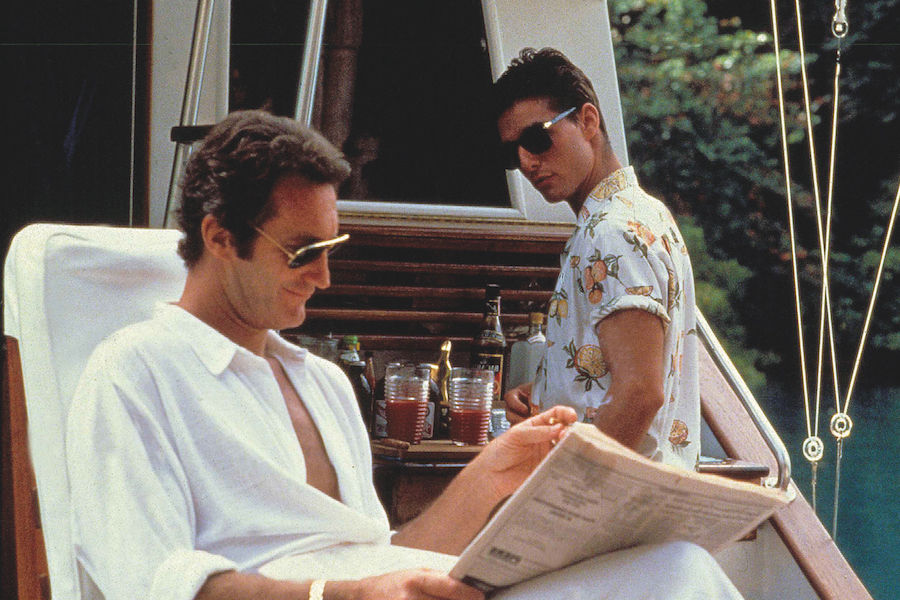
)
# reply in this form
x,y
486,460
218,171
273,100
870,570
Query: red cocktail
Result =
x,y
470,426
471,393
406,420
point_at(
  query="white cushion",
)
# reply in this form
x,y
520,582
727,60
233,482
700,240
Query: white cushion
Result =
x,y
65,288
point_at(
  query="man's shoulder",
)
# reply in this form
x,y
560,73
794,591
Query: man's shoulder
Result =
x,y
140,341
119,373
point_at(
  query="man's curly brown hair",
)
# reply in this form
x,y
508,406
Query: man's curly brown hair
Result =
x,y
232,174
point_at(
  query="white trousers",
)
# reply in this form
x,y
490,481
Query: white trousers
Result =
x,y
671,571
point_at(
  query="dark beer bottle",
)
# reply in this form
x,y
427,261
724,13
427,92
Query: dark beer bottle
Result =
x,y
356,370
489,344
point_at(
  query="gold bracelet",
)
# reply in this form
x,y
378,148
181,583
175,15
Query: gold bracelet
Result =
x,y
316,589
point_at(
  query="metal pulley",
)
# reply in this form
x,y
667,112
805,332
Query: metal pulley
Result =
x,y
839,24
813,448
841,425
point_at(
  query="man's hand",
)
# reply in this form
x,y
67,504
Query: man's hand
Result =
x,y
453,519
510,458
518,403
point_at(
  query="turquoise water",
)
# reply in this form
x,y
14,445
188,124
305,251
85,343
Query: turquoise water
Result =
x,y
868,528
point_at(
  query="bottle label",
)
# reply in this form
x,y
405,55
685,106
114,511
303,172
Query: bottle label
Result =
x,y
491,336
379,427
428,428
491,362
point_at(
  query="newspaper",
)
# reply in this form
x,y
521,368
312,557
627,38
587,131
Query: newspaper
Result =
x,y
592,495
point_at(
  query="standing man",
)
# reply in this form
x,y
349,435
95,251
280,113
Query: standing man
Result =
x,y
621,340
208,458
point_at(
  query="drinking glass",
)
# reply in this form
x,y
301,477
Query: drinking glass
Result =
x,y
406,397
471,393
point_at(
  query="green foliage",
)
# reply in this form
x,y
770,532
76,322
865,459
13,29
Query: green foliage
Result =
x,y
853,281
701,113
700,109
719,288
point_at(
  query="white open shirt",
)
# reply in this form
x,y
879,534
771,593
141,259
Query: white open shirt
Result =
x,y
183,461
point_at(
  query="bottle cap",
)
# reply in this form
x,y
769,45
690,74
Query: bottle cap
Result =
x,y
492,291
536,318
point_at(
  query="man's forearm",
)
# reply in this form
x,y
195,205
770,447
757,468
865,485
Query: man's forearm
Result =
x,y
233,585
459,513
246,586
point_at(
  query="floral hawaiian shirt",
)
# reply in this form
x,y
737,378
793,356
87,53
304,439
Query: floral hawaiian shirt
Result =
x,y
626,253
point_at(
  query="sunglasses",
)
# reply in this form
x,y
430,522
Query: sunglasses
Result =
x,y
306,254
534,138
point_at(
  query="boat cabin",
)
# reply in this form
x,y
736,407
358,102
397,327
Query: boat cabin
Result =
x,y
432,217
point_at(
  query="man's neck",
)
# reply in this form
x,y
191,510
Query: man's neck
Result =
x,y
605,164
204,298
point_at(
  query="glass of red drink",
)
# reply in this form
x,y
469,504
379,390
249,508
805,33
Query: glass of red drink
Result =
x,y
471,392
406,400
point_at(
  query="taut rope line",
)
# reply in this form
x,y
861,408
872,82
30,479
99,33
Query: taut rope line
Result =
x,y
840,424
812,446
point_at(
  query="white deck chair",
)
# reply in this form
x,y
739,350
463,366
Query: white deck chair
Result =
x,y
66,287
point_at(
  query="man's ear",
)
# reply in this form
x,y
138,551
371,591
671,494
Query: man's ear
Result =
x,y
589,117
217,240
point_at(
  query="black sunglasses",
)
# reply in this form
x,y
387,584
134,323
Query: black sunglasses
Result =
x,y
534,138
306,254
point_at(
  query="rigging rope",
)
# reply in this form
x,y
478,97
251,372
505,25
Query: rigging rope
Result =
x,y
813,450
840,424
878,273
823,238
826,295
826,282
812,446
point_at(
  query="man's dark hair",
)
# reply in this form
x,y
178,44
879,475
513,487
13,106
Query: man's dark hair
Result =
x,y
544,73
232,174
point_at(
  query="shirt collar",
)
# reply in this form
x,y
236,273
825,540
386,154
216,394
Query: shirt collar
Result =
x,y
614,182
215,350
617,181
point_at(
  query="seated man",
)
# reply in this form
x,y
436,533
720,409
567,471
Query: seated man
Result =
x,y
209,458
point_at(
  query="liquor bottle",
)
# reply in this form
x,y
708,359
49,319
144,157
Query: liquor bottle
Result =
x,y
356,371
365,390
526,354
355,368
434,401
379,411
349,350
489,344
443,381
370,382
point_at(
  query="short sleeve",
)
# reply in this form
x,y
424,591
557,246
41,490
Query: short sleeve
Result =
x,y
626,269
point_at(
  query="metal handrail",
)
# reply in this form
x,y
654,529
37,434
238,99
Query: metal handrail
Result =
x,y
731,374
